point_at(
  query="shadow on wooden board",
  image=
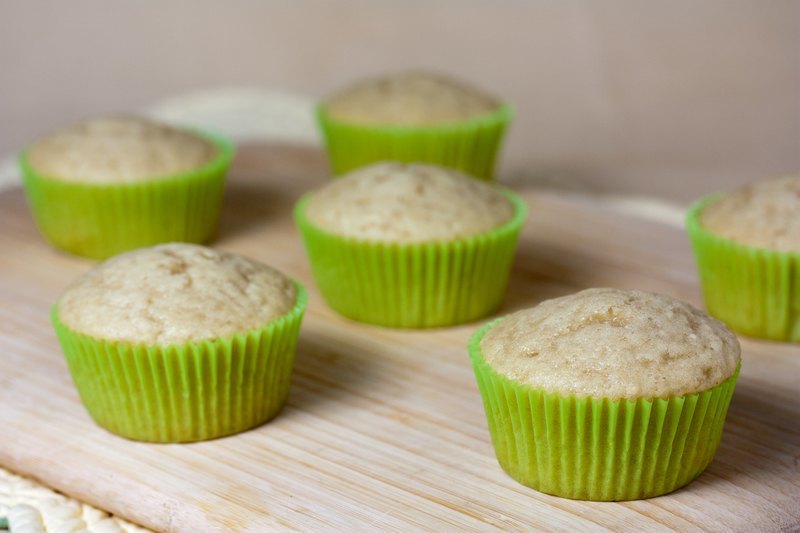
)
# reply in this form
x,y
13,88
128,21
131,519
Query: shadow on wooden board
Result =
x,y
323,373
265,181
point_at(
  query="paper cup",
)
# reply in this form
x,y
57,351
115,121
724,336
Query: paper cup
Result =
x,y
416,285
599,449
99,220
185,392
755,291
470,146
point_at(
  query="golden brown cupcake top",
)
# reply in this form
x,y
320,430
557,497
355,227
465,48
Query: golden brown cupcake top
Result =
x,y
409,99
765,214
119,149
175,293
613,343
406,203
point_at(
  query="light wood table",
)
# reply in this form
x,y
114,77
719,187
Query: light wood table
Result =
x,y
384,429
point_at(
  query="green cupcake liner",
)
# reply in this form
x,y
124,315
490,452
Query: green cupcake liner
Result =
x,y
185,392
416,285
470,146
597,448
755,291
98,220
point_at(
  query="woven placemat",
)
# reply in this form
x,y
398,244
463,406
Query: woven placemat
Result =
x,y
29,507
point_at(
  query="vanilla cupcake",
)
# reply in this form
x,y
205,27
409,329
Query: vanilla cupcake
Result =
x,y
747,246
411,245
414,117
606,394
111,184
180,342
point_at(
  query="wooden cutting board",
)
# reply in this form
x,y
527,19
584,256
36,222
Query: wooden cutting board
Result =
x,y
384,429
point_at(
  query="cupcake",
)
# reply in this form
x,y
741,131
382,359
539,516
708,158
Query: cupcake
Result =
x,y
414,117
747,246
180,342
113,184
606,394
411,246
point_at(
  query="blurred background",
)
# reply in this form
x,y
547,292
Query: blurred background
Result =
x,y
670,99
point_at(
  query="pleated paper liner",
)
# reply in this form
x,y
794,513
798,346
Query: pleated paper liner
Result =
x,y
99,220
755,291
597,448
185,392
470,146
415,285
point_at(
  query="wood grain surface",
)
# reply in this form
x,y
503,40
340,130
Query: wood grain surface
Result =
x,y
384,429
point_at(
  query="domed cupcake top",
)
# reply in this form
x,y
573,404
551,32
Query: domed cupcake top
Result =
x,y
765,214
118,149
408,99
174,293
613,343
407,203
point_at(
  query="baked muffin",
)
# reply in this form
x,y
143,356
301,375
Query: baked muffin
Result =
x,y
410,99
414,117
606,394
408,245
747,246
111,184
180,342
